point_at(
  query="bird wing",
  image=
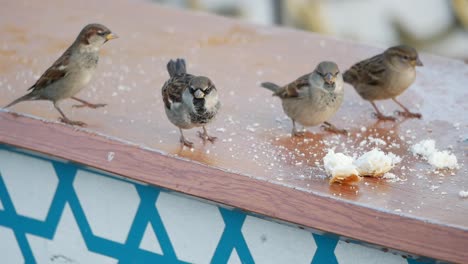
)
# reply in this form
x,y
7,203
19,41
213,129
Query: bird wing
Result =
x,y
370,72
173,89
291,90
57,71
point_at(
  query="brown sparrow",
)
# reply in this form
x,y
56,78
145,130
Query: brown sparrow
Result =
x,y
71,72
313,98
385,76
189,100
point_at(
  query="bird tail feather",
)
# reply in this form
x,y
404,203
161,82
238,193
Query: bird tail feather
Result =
x,y
271,86
21,99
176,67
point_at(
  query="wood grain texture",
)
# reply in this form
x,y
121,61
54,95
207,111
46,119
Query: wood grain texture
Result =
x,y
341,217
254,158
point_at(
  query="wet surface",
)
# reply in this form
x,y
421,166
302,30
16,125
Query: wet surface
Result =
x,y
253,133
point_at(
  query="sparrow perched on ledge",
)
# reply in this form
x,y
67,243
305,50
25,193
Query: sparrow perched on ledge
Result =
x,y
71,72
385,76
313,98
190,101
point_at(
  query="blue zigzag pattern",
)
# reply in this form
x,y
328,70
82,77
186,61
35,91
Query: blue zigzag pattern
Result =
x,y
129,252
232,238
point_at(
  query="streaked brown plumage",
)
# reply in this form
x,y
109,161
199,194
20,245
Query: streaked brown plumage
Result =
x,y
71,72
313,98
189,100
385,76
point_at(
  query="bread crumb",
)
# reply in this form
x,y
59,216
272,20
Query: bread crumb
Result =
x,y
341,168
376,163
443,159
344,169
463,194
110,156
424,148
438,159
377,141
389,176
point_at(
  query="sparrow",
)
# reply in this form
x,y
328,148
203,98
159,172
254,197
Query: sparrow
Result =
x,y
313,98
189,100
385,76
71,72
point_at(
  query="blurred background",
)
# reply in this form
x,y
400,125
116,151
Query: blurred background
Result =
x,y
435,26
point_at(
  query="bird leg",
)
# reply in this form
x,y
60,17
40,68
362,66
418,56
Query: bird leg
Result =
x,y
86,104
184,141
333,129
407,112
205,136
64,118
294,132
381,116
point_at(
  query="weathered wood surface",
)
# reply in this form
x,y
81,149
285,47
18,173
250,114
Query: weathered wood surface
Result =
x,y
255,165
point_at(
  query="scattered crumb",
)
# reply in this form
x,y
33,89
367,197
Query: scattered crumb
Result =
x,y
110,156
443,159
363,143
251,129
377,141
438,159
389,176
424,148
463,194
123,88
221,129
322,43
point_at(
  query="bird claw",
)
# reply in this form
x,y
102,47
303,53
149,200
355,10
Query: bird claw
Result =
x,y
383,117
334,129
186,143
71,122
408,114
206,137
93,106
295,133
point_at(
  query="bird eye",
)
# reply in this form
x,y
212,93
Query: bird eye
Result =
x,y
405,57
101,33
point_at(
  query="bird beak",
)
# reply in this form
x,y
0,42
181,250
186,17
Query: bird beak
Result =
x,y
199,94
418,62
111,36
329,78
